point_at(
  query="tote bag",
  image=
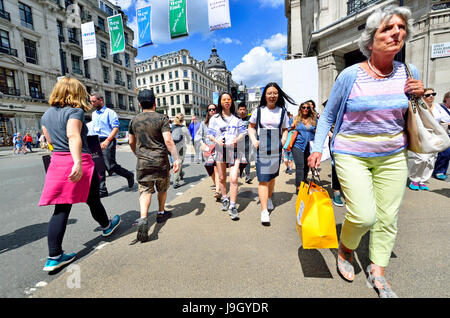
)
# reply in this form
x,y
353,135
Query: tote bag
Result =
x,y
315,221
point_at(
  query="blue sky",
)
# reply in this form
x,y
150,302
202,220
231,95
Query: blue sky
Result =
x,y
251,48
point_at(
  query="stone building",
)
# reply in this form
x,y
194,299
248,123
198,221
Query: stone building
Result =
x,y
40,40
330,30
183,84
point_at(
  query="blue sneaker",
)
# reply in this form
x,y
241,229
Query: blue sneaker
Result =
x,y
414,185
423,186
337,201
440,176
113,224
52,264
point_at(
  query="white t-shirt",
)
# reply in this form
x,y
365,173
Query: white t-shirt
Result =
x,y
270,118
227,127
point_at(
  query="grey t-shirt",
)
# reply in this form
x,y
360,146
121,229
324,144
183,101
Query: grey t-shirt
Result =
x,y
55,120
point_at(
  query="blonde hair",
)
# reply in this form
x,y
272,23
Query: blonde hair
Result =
x,y
310,120
179,118
69,91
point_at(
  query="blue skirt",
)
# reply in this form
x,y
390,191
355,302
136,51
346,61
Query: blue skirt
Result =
x,y
268,159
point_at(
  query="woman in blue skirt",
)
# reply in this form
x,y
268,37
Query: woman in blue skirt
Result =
x,y
271,122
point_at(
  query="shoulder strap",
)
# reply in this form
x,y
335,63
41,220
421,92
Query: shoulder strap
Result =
x,y
283,112
258,117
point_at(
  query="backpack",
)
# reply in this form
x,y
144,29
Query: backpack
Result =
x,y
177,134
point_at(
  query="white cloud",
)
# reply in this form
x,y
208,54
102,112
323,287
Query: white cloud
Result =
x,y
197,16
276,43
228,40
258,68
271,3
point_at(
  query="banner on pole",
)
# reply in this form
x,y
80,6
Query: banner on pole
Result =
x,y
177,18
88,40
219,14
144,16
116,35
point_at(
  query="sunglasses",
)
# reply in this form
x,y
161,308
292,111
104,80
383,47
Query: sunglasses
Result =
x,y
305,107
211,109
428,95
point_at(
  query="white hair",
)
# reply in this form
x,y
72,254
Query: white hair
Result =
x,y
376,19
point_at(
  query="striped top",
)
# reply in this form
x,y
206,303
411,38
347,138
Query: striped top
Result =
x,y
373,123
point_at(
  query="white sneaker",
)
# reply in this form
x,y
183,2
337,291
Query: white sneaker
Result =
x,y
270,204
265,217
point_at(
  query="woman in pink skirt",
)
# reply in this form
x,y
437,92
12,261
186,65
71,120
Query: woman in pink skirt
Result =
x,y
71,176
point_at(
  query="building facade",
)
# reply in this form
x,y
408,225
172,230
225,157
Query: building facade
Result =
x,y
330,30
41,41
183,84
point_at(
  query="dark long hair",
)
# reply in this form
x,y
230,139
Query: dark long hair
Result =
x,y
282,96
220,108
208,115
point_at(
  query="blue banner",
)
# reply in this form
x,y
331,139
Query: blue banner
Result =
x,y
144,26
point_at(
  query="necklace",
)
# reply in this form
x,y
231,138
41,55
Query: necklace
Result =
x,y
380,75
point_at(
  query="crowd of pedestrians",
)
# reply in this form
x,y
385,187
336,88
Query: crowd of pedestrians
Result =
x,y
362,124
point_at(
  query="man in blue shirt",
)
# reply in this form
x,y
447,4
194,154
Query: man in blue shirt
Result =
x,y
105,124
193,127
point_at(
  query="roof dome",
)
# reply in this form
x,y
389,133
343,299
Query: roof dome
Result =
x,y
215,61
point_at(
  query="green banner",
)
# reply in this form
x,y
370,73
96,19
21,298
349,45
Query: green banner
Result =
x,y
177,18
116,35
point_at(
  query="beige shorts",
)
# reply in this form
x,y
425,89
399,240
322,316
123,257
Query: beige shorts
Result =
x,y
162,185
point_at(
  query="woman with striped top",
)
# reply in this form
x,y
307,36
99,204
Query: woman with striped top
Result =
x,y
368,102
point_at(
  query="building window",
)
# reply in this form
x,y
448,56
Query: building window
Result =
x,y
26,17
116,59
177,86
186,99
178,99
170,75
172,100
129,81
103,50
139,82
59,26
76,68
162,77
163,88
127,60
176,74
187,111
108,100
118,78
34,84
101,24
156,78
184,59
72,35
131,102
186,85
173,111
157,89
171,87
87,74
121,100
30,51
357,5
126,37
5,45
164,101
105,74
151,79
7,82
185,73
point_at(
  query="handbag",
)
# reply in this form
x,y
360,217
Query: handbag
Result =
x,y
315,224
210,152
425,134
292,136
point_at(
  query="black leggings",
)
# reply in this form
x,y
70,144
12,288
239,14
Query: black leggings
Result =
x,y
58,222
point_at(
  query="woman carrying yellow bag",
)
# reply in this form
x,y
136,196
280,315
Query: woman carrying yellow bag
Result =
x,y
368,102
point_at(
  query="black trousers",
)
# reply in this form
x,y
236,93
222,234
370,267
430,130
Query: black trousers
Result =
x,y
58,222
109,155
301,165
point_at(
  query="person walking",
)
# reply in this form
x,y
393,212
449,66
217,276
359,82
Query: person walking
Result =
x,y
193,128
71,177
208,148
305,124
181,137
28,140
368,103
105,123
227,131
271,122
151,141
243,114
443,158
421,165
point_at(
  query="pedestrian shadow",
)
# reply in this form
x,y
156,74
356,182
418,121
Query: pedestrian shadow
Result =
x,y
444,191
184,208
246,195
313,264
25,235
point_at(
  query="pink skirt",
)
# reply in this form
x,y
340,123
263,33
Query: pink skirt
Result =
x,y
58,189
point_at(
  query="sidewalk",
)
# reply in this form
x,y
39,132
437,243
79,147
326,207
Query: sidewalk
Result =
x,y
7,152
200,252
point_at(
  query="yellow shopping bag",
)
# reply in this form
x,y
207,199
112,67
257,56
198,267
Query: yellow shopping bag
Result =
x,y
315,218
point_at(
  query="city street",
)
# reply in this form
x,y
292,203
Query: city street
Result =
x,y
23,225
200,252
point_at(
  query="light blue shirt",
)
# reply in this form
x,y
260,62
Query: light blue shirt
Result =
x,y
104,121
